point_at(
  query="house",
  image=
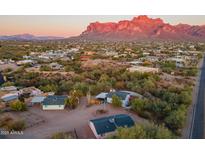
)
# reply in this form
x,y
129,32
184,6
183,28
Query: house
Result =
x,y
143,69
124,96
23,62
54,102
55,66
37,100
135,62
9,88
10,97
84,58
102,127
89,53
102,96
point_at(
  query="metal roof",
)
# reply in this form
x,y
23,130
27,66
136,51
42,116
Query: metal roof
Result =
x,y
121,95
54,100
111,123
102,95
9,97
37,99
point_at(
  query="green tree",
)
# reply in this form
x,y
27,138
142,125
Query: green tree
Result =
x,y
185,97
176,119
45,68
143,131
73,101
116,102
138,105
81,86
6,84
49,88
18,106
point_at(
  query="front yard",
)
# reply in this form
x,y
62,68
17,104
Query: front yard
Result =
x,y
43,124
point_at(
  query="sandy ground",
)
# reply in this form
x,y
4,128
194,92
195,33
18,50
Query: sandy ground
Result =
x,y
6,66
60,121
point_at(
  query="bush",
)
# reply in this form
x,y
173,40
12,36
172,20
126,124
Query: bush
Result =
x,y
6,84
138,105
18,106
143,131
176,119
116,102
73,101
17,126
45,68
63,135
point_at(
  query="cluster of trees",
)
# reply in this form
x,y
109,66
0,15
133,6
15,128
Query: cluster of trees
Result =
x,y
143,131
189,72
169,107
168,66
96,80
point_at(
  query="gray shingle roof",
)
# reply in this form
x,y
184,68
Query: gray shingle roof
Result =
x,y
111,123
54,100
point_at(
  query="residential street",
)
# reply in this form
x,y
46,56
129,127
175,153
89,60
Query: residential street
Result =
x,y
197,129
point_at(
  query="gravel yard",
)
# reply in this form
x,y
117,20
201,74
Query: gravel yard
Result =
x,y
63,121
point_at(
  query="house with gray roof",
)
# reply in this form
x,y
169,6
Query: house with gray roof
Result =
x,y
54,102
124,96
102,127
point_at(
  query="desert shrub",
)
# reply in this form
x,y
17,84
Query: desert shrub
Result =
x,y
63,135
143,131
18,106
17,126
116,102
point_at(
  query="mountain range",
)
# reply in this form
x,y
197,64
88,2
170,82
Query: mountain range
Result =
x,y
143,28
28,37
139,28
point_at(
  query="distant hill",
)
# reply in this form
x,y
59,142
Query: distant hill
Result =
x,y
142,28
28,37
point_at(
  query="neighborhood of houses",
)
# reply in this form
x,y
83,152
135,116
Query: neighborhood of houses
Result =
x,y
101,127
143,60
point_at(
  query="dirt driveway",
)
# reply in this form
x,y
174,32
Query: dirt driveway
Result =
x,y
58,121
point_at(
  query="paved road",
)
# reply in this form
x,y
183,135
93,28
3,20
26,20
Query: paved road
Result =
x,y
197,131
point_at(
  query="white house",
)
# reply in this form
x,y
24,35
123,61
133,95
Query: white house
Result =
x,y
54,102
124,96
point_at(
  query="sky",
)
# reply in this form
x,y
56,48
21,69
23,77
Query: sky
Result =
x,y
71,25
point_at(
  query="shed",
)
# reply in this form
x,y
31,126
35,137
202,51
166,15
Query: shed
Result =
x,y
37,99
10,97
